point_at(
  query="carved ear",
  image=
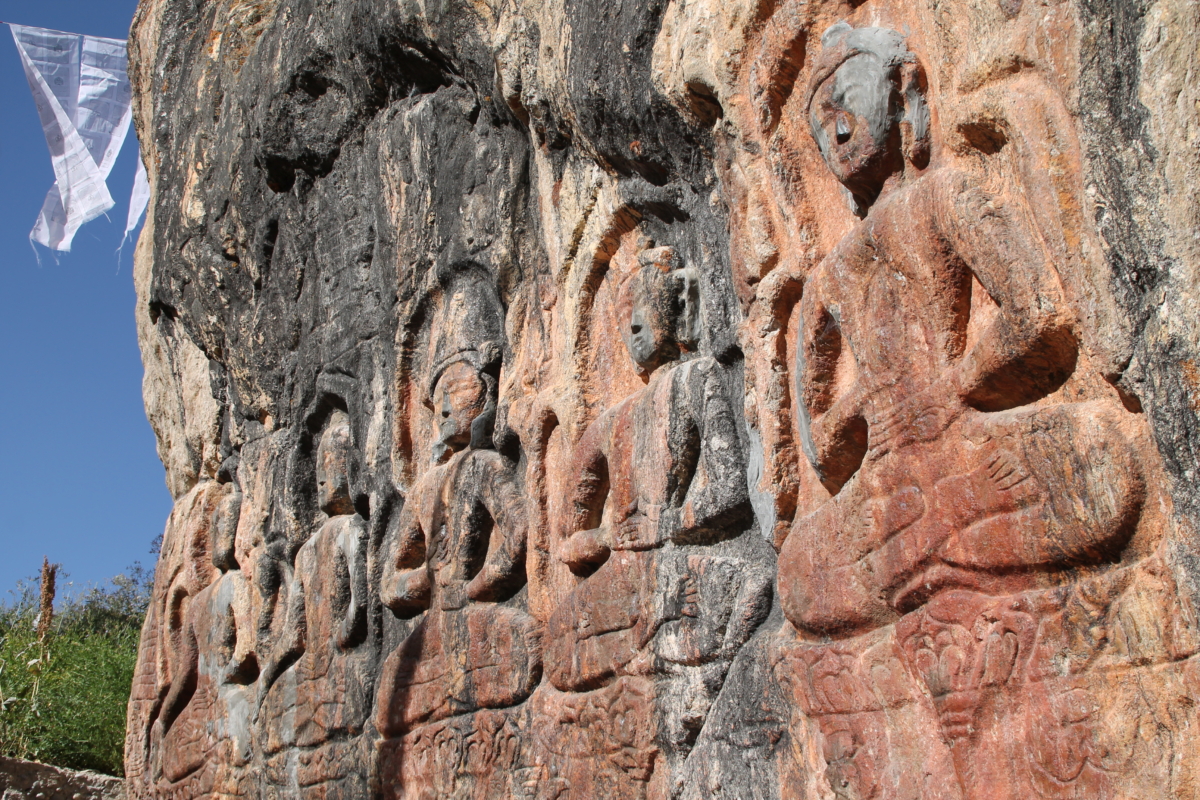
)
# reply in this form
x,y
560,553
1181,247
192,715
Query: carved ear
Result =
x,y
482,428
915,123
664,259
687,330
836,33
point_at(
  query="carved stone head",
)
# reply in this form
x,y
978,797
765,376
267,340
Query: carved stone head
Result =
x,y
866,109
333,467
660,304
463,399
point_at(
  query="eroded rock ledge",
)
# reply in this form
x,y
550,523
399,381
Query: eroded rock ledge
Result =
x,y
29,780
688,398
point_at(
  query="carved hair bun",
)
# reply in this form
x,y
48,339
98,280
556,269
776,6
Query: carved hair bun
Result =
x,y
841,43
665,258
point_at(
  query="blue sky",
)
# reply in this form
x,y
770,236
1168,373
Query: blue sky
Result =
x,y
80,481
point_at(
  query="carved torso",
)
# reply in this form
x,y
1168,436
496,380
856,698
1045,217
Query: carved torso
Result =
x,y
898,294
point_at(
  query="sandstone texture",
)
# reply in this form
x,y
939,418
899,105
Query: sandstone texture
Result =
x,y
671,399
29,780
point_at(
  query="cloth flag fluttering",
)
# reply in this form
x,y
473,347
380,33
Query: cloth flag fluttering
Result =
x,y
138,200
81,88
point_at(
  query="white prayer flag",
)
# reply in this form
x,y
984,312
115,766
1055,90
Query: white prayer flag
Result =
x,y
137,200
81,89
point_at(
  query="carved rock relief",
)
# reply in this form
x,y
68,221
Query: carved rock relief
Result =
x,y
937,349
785,450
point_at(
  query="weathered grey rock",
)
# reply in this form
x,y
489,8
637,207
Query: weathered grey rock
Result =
x,y
688,398
29,780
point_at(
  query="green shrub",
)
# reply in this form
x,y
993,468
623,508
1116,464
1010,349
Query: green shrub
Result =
x,y
62,701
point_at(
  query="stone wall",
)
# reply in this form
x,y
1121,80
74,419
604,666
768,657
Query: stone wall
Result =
x,y
671,398
28,780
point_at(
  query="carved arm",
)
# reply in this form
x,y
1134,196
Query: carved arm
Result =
x,y
1029,348
294,638
833,428
587,544
405,585
183,676
718,496
504,568
354,625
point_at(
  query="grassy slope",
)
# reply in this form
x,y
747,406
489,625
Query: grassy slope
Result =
x,y
62,701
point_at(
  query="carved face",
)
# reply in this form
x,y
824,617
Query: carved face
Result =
x,y
333,475
458,398
854,117
649,330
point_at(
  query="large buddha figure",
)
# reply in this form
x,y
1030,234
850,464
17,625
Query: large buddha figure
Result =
x,y
459,551
663,468
936,339
320,710
211,669
657,509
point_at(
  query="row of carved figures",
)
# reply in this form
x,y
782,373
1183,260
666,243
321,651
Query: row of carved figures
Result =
x,y
979,482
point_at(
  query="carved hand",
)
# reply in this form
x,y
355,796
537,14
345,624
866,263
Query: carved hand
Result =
x,y
482,588
839,439
410,591
638,532
641,529
585,548
921,418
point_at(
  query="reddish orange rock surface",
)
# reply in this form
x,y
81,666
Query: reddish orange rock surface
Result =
x,y
690,399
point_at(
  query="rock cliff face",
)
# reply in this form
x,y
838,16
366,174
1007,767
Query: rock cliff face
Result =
x,y
671,398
